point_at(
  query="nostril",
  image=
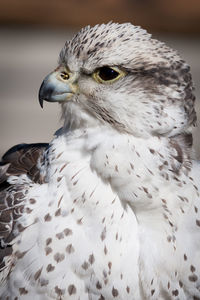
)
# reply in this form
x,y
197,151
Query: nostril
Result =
x,y
64,75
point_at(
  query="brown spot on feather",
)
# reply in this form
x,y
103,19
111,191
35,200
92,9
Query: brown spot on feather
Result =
x,y
37,274
23,291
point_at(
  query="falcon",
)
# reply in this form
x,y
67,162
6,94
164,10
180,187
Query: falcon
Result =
x,y
110,209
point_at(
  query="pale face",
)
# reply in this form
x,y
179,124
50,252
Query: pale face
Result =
x,y
116,75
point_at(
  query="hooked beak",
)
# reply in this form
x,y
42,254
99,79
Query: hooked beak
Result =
x,y
58,86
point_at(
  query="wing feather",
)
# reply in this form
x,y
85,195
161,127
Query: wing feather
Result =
x,y
20,159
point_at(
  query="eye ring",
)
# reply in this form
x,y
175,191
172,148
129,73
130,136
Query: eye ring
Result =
x,y
108,74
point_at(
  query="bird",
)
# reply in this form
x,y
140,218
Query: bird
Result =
x,y
110,208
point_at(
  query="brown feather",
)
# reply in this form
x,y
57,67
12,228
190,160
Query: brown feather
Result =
x,y
20,159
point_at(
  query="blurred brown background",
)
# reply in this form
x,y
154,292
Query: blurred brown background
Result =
x,y
32,32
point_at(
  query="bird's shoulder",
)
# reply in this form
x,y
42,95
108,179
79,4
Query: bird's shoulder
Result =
x,y
20,160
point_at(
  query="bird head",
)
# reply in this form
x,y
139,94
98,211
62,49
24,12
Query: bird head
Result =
x,y
116,75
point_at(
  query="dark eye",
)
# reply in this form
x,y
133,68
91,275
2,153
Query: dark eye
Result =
x,y
107,73
64,75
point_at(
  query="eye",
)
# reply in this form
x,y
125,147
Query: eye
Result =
x,y
107,74
64,75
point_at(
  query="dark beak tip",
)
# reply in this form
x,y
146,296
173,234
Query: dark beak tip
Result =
x,y
45,92
40,95
41,102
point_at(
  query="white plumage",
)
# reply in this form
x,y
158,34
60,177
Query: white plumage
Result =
x,y
110,208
